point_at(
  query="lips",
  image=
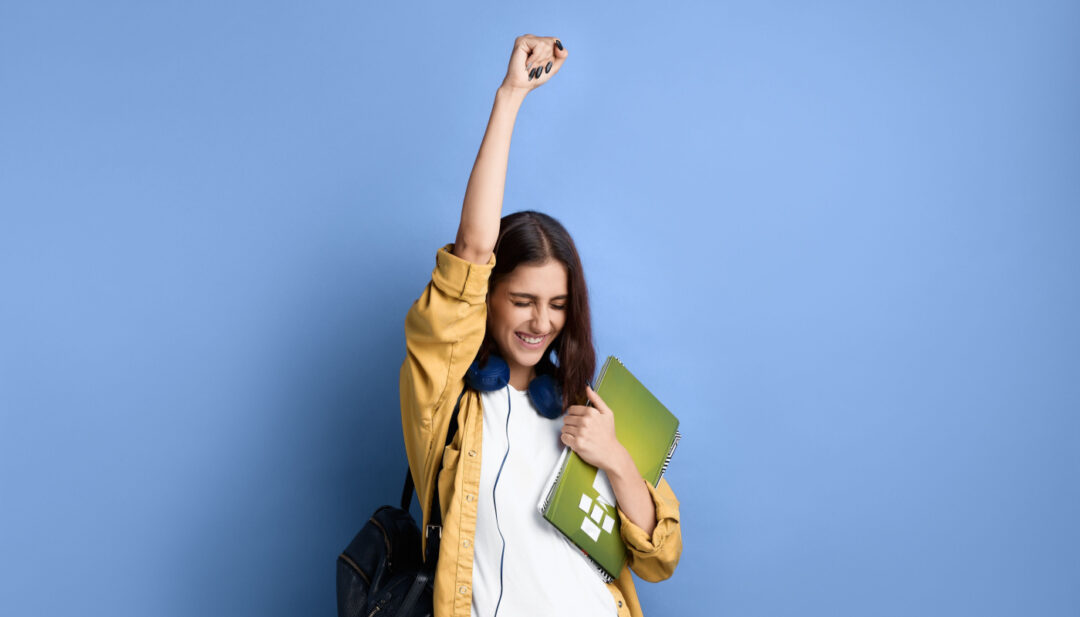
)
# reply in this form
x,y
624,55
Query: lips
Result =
x,y
527,344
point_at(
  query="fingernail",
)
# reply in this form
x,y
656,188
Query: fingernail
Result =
x,y
531,74
547,69
559,43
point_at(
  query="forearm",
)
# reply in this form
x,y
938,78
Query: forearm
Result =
x,y
482,208
630,491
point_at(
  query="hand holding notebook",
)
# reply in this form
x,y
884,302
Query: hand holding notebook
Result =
x,y
578,498
589,430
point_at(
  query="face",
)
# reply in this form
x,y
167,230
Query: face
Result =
x,y
529,303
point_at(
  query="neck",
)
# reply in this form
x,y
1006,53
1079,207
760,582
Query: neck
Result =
x,y
520,376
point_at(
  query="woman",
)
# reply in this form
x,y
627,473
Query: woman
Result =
x,y
513,287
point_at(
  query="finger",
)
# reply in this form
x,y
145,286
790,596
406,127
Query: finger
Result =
x,y
542,64
597,402
535,53
539,53
540,72
573,421
538,69
531,52
577,410
557,63
523,48
559,53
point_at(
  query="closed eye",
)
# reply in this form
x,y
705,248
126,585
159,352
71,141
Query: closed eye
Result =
x,y
559,307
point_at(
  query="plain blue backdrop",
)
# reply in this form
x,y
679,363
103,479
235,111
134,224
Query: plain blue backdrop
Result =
x,y
838,239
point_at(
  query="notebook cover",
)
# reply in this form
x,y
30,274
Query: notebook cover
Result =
x,y
578,498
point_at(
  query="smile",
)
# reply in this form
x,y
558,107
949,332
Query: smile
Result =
x,y
530,342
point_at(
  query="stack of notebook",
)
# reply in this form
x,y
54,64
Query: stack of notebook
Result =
x,y
578,498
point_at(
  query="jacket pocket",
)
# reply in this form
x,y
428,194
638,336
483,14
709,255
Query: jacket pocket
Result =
x,y
445,484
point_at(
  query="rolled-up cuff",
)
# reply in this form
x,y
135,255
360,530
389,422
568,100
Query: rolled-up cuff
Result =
x,y
667,518
461,278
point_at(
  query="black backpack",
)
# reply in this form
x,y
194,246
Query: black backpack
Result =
x,y
380,573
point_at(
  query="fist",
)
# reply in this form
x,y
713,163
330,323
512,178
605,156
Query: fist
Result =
x,y
535,60
590,432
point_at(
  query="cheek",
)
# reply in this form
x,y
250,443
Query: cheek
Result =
x,y
505,318
560,322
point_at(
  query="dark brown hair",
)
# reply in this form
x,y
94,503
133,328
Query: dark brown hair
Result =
x,y
530,237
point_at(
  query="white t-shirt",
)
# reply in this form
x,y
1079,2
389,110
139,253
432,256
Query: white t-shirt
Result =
x,y
543,573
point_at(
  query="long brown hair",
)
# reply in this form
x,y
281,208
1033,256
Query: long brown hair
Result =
x,y
530,237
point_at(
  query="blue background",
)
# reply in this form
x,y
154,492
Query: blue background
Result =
x,y
838,239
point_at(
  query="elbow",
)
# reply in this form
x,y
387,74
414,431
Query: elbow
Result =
x,y
477,253
661,564
657,571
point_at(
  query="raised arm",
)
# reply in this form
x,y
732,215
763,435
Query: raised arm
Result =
x,y
445,326
534,60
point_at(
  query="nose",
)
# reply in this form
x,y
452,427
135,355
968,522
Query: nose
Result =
x,y
541,319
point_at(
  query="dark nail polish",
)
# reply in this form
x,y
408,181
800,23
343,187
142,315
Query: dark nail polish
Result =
x,y
547,69
559,43
531,73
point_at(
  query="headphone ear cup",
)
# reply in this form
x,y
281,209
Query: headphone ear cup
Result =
x,y
494,376
546,396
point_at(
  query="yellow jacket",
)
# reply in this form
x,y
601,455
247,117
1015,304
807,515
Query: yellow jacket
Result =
x,y
443,331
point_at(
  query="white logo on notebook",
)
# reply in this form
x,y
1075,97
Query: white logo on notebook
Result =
x,y
599,513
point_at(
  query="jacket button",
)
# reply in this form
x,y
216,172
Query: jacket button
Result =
x,y
463,590
468,497
466,543
472,452
620,603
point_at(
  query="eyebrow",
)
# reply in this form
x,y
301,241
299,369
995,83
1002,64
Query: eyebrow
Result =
x,y
532,297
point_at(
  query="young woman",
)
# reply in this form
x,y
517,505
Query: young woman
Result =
x,y
514,288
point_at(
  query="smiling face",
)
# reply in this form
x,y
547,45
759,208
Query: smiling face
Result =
x,y
526,311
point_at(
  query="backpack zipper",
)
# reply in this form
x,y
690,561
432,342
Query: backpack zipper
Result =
x,y
386,540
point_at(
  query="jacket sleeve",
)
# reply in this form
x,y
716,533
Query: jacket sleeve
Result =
x,y
654,558
443,331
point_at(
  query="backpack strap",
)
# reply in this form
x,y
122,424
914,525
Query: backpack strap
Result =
x,y
433,531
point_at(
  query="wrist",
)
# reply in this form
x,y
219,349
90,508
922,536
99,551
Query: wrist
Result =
x,y
511,93
622,464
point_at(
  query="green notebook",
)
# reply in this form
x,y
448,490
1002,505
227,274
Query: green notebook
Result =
x,y
578,498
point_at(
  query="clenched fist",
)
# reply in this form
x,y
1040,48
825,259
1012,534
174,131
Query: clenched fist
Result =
x,y
535,59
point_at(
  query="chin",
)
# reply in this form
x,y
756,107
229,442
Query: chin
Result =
x,y
528,359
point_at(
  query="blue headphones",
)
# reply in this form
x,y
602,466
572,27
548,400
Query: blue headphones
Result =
x,y
544,392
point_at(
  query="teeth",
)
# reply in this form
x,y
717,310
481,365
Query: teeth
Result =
x,y
531,341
